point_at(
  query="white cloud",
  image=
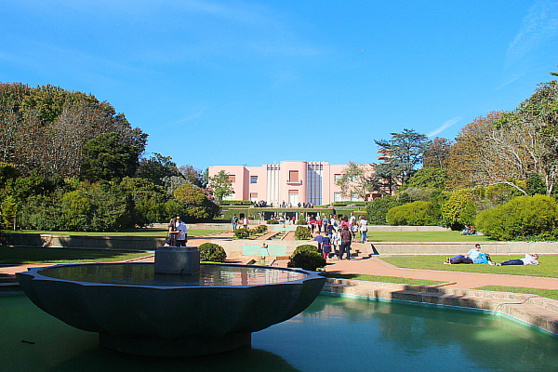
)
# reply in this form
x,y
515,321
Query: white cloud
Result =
x,y
538,26
444,126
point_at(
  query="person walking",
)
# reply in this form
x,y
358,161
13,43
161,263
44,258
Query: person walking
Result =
x,y
345,247
363,228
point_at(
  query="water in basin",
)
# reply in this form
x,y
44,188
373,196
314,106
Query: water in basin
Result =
x,y
144,275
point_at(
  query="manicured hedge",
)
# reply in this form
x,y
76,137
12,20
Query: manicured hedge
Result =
x,y
522,218
306,257
212,252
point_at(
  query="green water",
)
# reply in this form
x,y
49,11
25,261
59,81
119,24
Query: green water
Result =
x,y
333,334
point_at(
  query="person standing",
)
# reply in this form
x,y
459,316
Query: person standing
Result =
x,y
171,239
182,232
234,222
363,227
245,222
346,238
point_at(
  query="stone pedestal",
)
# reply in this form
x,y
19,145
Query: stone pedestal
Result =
x,y
177,260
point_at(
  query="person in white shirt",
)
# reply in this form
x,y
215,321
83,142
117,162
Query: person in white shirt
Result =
x,y
530,259
182,232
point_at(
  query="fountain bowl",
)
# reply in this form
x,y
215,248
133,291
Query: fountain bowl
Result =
x,y
140,312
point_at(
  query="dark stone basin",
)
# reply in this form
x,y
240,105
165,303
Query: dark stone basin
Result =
x,y
137,311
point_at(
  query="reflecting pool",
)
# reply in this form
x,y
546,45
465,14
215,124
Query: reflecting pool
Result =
x,y
333,334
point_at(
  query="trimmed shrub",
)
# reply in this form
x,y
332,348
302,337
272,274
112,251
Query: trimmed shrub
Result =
x,y
522,218
419,213
260,229
212,252
302,221
378,209
303,233
241,233
306,257
273,222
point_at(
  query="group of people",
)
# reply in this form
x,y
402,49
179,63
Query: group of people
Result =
x,y
475,256
338,234
235,222
178,233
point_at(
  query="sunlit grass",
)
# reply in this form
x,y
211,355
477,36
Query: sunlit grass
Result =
x,y
424,236
548,265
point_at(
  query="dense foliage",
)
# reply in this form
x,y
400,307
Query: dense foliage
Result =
x,y
524,217
419,213
306,257
303,233
212,252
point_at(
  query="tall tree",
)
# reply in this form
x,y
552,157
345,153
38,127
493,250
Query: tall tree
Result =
x,y
107,158
437,153
157,167
404,152
193,175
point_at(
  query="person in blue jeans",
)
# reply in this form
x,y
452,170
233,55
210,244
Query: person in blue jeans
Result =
x,y
345,247
529,259
473,256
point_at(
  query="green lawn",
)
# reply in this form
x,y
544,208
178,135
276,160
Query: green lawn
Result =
x,y
132,232
548,293
426,236
548,266
383,279
64,255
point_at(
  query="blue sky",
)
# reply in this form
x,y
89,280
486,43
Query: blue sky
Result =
x,y
256,82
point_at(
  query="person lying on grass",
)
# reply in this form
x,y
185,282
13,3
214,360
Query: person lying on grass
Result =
x,y
473,256
530,259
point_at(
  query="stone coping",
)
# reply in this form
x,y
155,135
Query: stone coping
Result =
x,y
536,311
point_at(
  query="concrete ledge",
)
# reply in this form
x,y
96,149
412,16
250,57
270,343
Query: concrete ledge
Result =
x,y
455,248
536,311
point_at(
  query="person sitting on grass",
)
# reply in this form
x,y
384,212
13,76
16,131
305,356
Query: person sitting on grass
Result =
x,y
530,259
473,256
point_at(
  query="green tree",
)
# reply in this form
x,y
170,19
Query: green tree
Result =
x,y
427,178
157,167
195,204
459,210
106,157
404,152
220,185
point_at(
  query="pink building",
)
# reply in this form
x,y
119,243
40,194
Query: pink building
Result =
x,y
291,182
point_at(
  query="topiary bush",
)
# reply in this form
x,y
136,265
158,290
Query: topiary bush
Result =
x,y
302,221
273,221
212,252
419,213
303,233
522,218
260,229
306,257
378,209
241,233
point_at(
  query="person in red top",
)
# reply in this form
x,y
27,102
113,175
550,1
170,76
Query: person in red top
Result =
x,y
345,247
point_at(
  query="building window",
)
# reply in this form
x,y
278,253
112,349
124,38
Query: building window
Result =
x,y
253,179
354,196
337,196
254,196
336,177
293,176
232,178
